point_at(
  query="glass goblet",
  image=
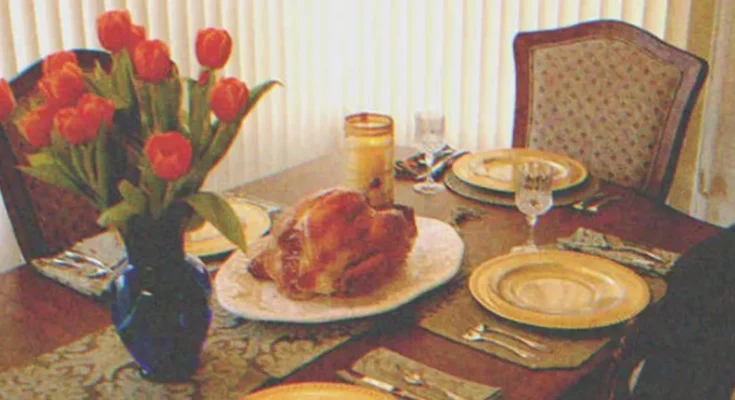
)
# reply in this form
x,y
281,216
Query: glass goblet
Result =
x,y
533,195
430,138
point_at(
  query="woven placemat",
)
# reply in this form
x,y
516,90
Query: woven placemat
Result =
x,y
238,357
561,198
457,312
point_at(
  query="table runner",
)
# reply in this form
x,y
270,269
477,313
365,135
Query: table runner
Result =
x,y
238,357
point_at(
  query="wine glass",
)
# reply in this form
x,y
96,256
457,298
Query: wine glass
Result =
x,y
533,195
430,138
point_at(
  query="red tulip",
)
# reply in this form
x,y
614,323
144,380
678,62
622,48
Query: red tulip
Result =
x,y
7,100
95,110
54,62
63,87
152,60
36,125
72,127
137,35
228,98
113,29
213,47
170,155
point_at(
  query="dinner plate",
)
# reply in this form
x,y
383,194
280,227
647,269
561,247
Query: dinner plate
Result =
x,y
494,169
319,390
559,289
435,258
208,241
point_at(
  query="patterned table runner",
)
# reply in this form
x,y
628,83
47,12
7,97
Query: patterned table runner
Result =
x,y
238,357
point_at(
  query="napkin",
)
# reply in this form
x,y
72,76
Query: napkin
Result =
x,y
106,247
592,242
414,167
386,365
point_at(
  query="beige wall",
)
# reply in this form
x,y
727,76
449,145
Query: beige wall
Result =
x,y
701,31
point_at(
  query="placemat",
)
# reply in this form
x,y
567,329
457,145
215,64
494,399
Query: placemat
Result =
x,y
389,366
456,312
238,357
561,198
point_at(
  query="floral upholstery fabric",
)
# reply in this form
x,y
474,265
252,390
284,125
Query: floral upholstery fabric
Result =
x,y
601,101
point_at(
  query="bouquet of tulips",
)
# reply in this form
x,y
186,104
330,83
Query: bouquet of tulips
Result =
x,y
135,138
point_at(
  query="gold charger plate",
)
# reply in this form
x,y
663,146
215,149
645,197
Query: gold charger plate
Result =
x,y
319,390
559,289
208,241
494,169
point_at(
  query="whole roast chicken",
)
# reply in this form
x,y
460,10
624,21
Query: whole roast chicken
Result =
x,y
334,243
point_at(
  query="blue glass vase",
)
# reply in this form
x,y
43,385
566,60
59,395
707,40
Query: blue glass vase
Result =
x,y
160,301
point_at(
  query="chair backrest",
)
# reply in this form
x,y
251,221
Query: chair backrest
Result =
x,y
609,94
45,218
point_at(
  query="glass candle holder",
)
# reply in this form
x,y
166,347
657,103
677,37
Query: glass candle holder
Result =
x,y
369,156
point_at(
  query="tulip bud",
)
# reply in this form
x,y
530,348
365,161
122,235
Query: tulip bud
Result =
x,y
54,62
113,29
7,100
36,125
213,47
71,126
137,35
63,87
228,98
170,155
152,60
95,110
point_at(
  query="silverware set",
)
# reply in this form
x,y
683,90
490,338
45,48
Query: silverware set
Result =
x,y
478,333
594,203
81,261
411,377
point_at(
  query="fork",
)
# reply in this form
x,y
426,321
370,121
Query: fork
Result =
x,y
595,208
475,336
481,328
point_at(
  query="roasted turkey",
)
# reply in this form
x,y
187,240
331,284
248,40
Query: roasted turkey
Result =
x,y
334,243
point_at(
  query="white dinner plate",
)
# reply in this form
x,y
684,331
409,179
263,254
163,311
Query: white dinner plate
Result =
x,y
435,258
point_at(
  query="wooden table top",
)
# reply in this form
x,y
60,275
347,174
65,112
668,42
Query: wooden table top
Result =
x,y
38,315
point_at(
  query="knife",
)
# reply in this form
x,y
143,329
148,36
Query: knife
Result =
x,y
364,380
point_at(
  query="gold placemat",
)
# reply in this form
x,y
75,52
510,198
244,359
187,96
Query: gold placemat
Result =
x,y
237,358
561,198
389,366
457,312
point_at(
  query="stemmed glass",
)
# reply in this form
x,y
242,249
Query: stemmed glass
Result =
x,y
430,138
533,195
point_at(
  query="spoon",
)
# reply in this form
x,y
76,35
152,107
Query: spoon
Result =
x,y
475,336
415,378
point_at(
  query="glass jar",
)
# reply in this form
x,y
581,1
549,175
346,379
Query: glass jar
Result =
x,y
369,156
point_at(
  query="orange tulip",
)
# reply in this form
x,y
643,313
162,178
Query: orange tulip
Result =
x,y
95,110
137,35
170,155
63,87
152,60
54,62
228,98
113,29
72,127
36,125
213,47
7,100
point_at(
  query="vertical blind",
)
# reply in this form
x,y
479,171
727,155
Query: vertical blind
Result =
x,y
336,57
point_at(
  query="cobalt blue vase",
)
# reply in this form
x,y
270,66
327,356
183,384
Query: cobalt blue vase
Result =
x,y
160,301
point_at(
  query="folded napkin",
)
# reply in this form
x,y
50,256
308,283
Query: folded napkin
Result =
x,y
592,242
415,168
106,247
389,366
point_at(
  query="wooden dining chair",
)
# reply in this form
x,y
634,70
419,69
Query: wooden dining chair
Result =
x,y
609,94
45,218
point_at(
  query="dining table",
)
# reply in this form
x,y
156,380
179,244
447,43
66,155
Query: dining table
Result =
x,y
38,315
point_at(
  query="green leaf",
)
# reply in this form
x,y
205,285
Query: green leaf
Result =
x,y
51,174
133,194
118,214
218,212
195,222
257,92
102,164
40,158
166,102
